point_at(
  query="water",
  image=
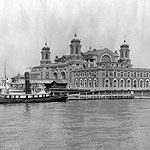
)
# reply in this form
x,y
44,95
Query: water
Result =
x,y
76,125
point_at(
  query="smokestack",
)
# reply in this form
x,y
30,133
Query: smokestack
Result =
x,y
27,83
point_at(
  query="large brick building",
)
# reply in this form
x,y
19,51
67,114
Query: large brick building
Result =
x,y
96,69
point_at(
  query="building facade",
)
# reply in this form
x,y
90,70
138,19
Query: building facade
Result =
x,y
97,69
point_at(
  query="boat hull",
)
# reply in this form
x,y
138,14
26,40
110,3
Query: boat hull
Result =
x,y
32,99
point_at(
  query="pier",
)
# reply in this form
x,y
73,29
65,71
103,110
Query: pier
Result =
x,y
110,94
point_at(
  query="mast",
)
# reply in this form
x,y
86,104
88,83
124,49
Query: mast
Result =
x,y
5,76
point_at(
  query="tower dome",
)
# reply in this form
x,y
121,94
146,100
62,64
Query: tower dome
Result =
x,y
45,54
75,39
75,46
124,45
125,52
46,47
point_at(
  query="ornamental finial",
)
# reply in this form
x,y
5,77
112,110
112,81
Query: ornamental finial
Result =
x,y
75,35
124,39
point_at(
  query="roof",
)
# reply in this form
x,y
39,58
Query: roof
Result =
x,y
45,47
58,82
34,82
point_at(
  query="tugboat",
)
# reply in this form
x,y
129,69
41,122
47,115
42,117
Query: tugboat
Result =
x,y
9,96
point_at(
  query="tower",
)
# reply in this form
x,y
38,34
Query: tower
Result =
x,y
125,52
45,54
75,46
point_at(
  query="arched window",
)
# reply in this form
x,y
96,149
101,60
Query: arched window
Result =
x,y
95,82
55,76
76,83
106,58
126,54
147,83
128,83
114,83
106,83
81,83
85,82
63,75
121,83
71,50
46,56
135,84
42,56
90,83
76,50
141,83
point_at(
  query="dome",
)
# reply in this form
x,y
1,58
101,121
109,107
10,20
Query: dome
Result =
x,y
45,47
124,45
75,39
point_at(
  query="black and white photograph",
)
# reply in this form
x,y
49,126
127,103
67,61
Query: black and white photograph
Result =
x,y
74,75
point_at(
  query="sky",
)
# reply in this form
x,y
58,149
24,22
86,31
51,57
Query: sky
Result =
x,y
25,25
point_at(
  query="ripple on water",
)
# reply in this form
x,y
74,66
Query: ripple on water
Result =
x,y
109,124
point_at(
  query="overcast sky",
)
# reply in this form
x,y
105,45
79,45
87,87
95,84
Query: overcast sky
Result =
x,y
26,24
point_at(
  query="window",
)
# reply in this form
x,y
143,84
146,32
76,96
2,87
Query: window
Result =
x,y
63,75
118,74
71,50
135,84
141,74
55,75
134,74
95,82
128,83
121,74
126,54
121,83
111,74
76,83
46,57
115,73
141,83
115,83
147,74
85,82
128,74
81,83
106,58
103,74
106,83
106,73
76,50
121,54
125,74
47,75
42,56
89,74
147,83
90,83
95,73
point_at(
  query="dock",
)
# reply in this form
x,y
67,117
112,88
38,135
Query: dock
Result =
x,y
98,97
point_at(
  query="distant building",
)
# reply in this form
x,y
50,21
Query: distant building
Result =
x,y
97,69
